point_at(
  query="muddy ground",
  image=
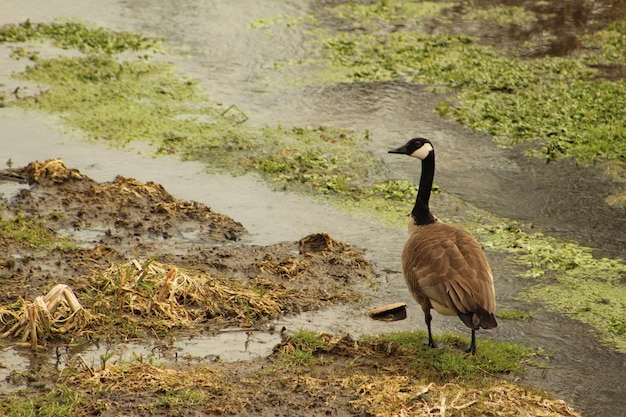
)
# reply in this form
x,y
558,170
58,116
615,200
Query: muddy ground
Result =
x,y
100,224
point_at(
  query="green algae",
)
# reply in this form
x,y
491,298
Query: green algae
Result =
x,y
121,101
501,15
569,279
579,116
606,47
395,12
76,35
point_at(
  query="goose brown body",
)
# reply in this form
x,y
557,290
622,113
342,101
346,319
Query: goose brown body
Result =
x,y
445,269
444,266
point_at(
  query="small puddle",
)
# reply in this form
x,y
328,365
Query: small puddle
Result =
x,y
84,238
9,189
229,345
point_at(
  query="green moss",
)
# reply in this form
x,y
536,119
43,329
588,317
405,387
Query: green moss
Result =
x,y
450,361
180,399
305,343
514,315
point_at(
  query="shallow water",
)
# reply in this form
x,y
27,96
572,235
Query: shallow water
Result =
x,y
231,62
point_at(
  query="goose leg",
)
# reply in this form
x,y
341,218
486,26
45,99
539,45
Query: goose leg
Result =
x,y
472,347
429,318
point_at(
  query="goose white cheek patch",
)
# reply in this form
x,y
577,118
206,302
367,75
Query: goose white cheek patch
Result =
x,y
422,152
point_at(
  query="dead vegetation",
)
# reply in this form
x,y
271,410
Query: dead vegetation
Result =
x,y
114,208
58,312
157,297
397,395
341,376
379,378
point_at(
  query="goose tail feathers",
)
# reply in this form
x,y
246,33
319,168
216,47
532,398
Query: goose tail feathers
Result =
x,y
479,319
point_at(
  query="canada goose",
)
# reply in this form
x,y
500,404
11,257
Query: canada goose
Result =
x,y
444,266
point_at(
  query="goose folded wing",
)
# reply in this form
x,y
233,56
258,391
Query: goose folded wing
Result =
x,y
454,279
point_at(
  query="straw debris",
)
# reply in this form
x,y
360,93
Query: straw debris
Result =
x,y
398,395
160,295
52,170
143,384
381,378
58,312
289,269
124,297
142,377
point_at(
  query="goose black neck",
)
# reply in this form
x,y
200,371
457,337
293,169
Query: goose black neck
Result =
x,y
421,211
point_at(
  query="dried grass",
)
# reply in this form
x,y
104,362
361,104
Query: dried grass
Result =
x,y
129,189
143,381
289,269
159,294
397,395
58,312
143,377
392,390
53,170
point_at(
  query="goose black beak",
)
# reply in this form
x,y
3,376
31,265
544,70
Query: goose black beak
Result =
x,y
401,149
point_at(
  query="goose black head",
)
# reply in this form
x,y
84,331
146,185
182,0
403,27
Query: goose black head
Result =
x,y
419,148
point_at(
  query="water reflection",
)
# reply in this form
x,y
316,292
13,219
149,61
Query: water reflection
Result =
x,y
557,27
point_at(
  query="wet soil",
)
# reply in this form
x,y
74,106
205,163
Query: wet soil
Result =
x,y
110,219
107,222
